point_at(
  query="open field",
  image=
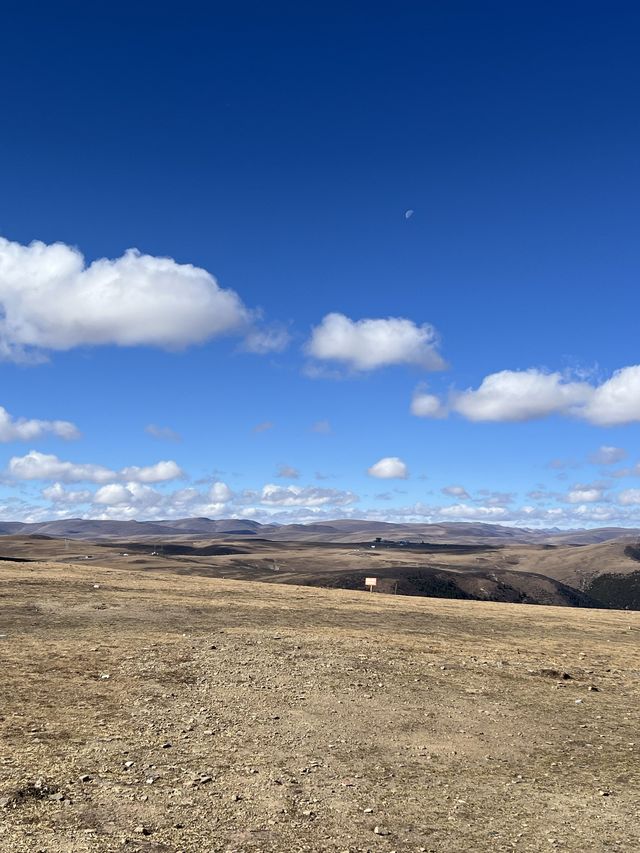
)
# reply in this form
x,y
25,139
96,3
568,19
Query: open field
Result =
x,y
149,711
575,575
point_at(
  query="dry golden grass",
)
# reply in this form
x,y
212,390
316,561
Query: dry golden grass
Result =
x,y
273,718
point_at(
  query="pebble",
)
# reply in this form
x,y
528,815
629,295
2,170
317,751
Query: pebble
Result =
x,y
379,830
85,777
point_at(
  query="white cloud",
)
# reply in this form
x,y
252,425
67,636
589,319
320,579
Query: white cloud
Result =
x,y
50,300
523,395
629,497
425,405
134,495
24,429
323,427
584,494
607,455
513,395
263,340
58,494
389,468
43,466
456,492
370,344
162,433
616,401
309,496
161,472
287,472
220,493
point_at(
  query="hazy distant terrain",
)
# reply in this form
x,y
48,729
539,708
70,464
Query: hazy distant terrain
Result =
x,y
587,568
339,530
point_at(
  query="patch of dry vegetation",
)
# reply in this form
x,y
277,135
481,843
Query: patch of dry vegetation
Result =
x,y
155,712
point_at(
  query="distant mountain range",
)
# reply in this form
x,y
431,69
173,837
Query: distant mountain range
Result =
x,y
340,530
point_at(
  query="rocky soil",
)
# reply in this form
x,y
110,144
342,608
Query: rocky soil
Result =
x,y
158,713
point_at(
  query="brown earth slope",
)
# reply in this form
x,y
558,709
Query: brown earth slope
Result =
x,y
155,713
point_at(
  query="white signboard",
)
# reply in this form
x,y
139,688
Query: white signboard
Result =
x,y
370,581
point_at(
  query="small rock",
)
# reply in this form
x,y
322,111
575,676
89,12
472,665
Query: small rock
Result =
x,y
58,796
142,830
128,764
578,701
379,830
368,811
167,745
85,777
593,688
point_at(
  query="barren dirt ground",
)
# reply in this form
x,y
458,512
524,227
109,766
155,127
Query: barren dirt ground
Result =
x,y
155,712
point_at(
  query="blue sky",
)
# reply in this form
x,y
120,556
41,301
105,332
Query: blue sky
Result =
x,y
428,214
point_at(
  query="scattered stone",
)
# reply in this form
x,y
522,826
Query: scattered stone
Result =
x,y
379,830
167,745
142,830
368,811
593,688
58,796
85,777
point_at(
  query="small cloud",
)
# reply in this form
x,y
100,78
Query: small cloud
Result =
x,y
389,468
456,492
607,455
287,472
24,429
264,426
425,405
323,427
262,341
369,344
162,433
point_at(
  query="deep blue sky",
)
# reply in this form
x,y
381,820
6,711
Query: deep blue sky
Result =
x,y
278,146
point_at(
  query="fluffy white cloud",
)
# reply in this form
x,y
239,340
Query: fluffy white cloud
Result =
x,y
512,395
59,495
425,405
24,429
133,495
309,496
370,344
220,493
585,494
44,466
389,468
522,395
616,401
161,472
456,492
50,300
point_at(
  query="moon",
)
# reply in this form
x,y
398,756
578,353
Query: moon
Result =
x,y
408,214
